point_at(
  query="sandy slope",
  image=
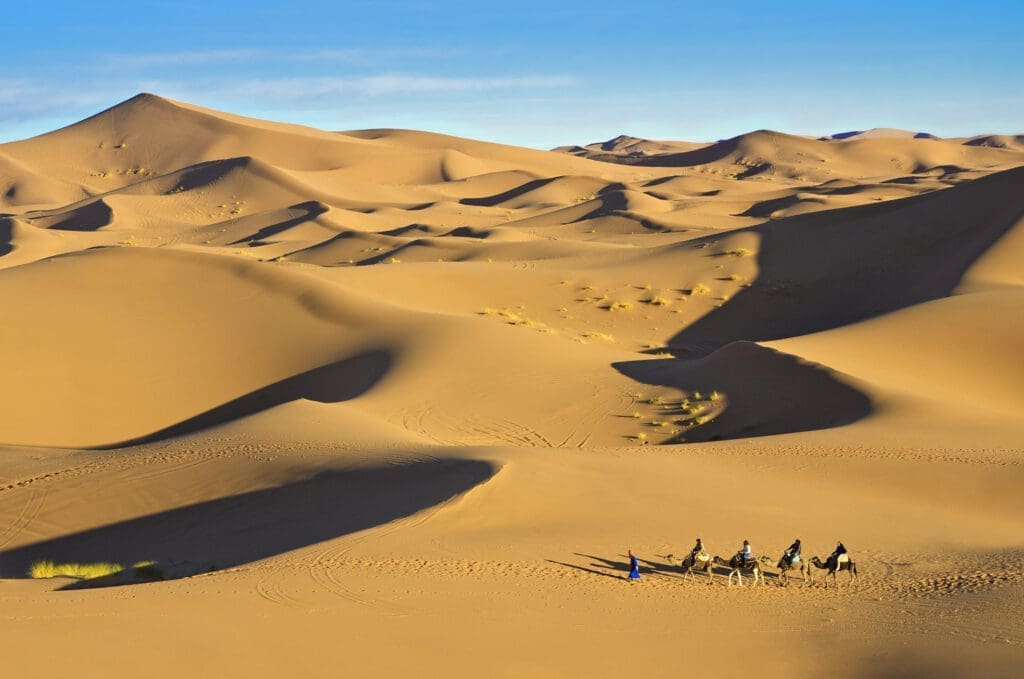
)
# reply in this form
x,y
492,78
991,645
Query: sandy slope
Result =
x,y
387,401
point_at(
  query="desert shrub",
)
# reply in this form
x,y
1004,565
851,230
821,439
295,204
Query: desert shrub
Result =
x,y
85,571
148,569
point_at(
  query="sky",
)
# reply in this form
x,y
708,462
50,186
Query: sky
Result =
x,y
530,73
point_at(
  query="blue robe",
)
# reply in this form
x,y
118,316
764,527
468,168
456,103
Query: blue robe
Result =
x,y
634,568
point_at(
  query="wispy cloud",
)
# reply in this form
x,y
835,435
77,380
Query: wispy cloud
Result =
x,y
160,59
155,60
367,55
23,100
294,89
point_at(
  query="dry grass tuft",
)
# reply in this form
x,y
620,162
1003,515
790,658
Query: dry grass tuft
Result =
x,y
84,571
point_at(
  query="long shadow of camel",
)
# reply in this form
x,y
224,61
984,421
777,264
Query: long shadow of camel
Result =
x,y
242,528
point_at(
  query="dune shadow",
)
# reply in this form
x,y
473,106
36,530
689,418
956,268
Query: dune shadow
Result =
x,y
91,214
259,524
332,383
763,392
835,267
515,192
6,235
310,209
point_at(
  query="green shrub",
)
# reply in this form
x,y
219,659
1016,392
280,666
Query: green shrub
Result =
x,y
84,571
148,569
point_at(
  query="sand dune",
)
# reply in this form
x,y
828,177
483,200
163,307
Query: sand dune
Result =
x,y
397,388
878,133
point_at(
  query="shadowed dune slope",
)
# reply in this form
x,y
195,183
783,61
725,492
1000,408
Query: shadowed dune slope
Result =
x,y
300,511
961,351
765,391
828,269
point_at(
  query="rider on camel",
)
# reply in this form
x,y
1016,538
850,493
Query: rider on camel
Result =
x,y
698,549
746,554
793,553
840,555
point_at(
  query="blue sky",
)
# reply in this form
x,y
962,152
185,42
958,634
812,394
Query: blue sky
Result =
x,y
532,73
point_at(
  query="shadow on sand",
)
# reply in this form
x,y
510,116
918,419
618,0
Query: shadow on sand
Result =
x,y
243,528
332,383
835,267
766,392
613,568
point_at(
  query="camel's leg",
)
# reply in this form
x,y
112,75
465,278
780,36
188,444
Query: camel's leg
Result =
x,y
740,576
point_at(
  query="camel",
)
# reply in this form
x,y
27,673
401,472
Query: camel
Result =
x,y
736,569
698,562
785,566
830,565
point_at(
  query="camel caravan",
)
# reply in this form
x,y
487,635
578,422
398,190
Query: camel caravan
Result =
x,y
792,560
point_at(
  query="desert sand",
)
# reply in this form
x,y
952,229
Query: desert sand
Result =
x,y
388,401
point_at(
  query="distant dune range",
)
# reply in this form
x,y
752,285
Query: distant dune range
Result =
x,y
212,229
382,380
